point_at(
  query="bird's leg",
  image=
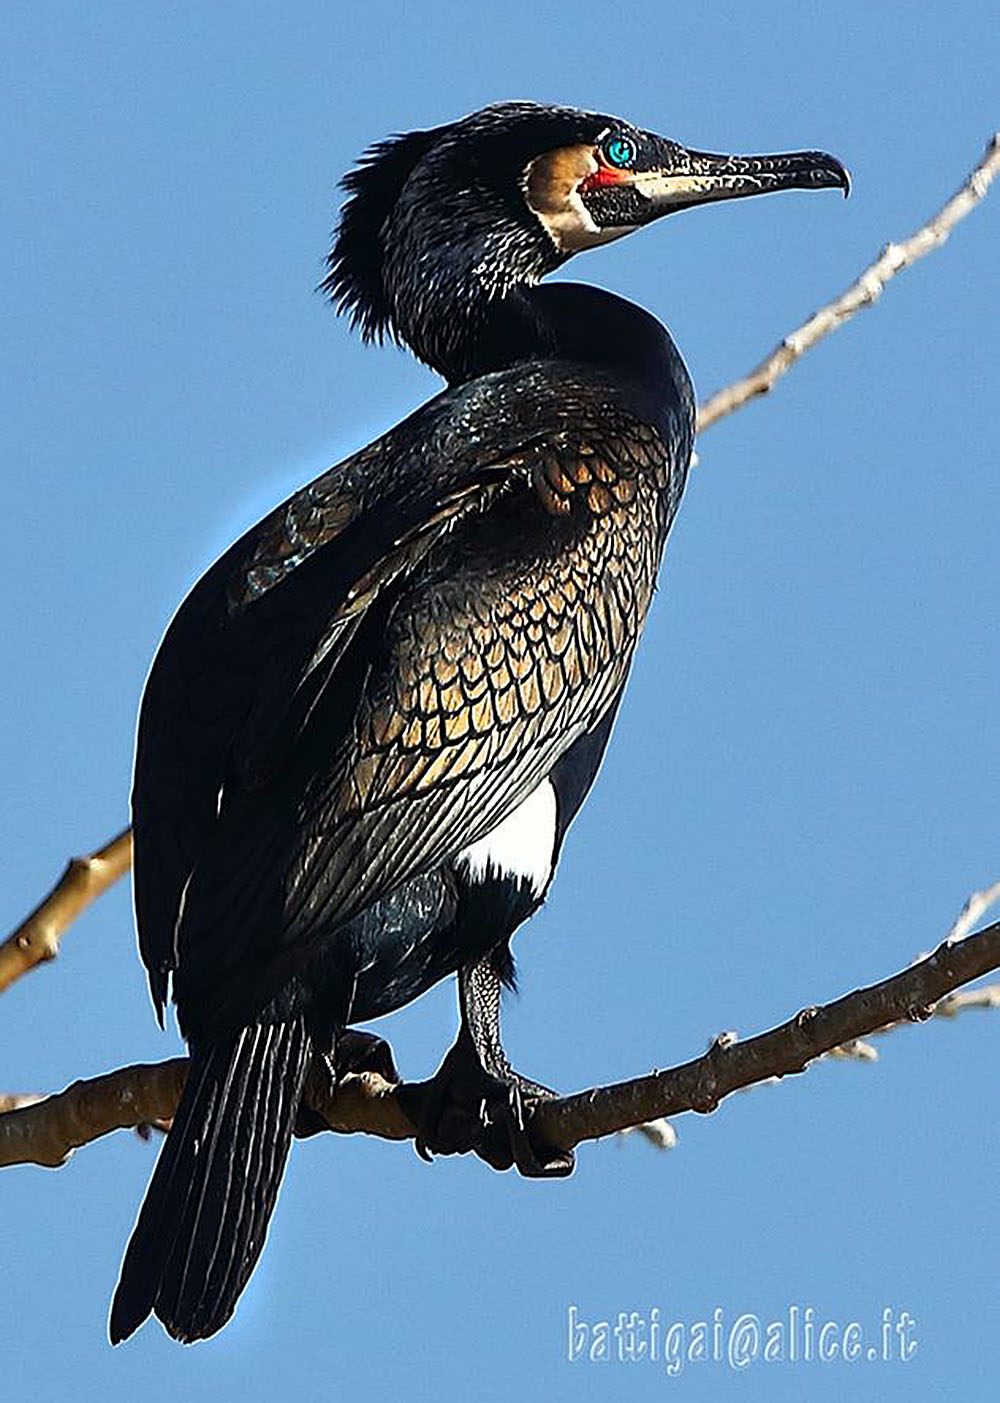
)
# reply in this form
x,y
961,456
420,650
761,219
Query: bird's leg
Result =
x,y
480,993
352,1052
476,1101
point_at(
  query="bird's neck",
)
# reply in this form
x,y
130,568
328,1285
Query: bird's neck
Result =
x,y
564,321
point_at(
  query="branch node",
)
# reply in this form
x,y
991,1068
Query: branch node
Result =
x,y
919,1013
943,956
706,1095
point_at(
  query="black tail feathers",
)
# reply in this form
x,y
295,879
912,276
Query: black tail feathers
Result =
x,y
204,1219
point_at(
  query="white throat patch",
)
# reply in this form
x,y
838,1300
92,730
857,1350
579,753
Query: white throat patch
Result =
x,y
522,846
552,191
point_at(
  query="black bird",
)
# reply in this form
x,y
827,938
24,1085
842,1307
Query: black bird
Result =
x,y
371,722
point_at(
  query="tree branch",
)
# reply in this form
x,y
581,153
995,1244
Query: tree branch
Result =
x,y
46,1132
988,996
37,938
730,1065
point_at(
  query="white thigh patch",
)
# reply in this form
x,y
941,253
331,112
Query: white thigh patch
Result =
x,y
522,846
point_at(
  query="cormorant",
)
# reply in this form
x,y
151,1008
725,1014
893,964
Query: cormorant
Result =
x,y
371,722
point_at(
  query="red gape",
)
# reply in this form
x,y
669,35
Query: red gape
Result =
x,y
604,175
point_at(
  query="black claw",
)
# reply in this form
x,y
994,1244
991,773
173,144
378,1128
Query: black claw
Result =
x,y
353,1052
463,1108
536,1160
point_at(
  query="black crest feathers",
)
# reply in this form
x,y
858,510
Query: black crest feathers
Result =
x,y
354,266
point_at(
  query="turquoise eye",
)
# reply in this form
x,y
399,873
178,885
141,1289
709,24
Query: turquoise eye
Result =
x,y
619,151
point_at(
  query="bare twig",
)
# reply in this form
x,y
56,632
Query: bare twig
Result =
x,y
951,1005
660,1133
46,1133
85,878
974,909
862,293
730,1065
954,1004
17,1100
38,937
858,1050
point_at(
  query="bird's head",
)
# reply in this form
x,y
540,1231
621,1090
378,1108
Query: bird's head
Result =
x,y
441,225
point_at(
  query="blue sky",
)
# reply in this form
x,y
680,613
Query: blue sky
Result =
x,y
802,787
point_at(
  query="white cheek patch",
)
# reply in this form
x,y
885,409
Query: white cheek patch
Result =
x,y
552,191
522,846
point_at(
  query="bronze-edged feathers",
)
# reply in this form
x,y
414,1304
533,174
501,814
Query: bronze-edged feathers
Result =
x,y
423,670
